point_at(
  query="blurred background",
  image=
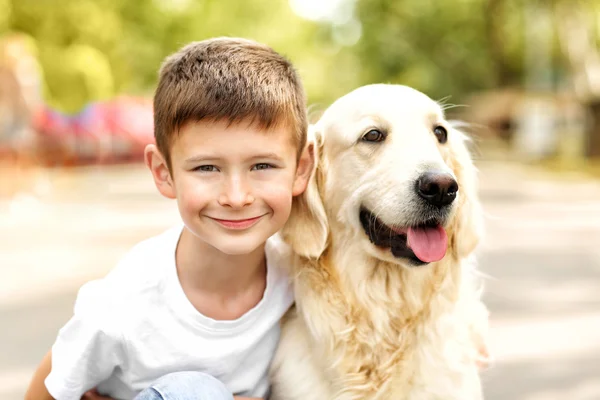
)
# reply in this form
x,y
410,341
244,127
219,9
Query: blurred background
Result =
x,y
76,81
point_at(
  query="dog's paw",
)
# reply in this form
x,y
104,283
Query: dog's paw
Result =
x,y
483,358
479,328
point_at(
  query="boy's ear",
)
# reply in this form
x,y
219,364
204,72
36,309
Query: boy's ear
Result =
x,y
160,171
306,165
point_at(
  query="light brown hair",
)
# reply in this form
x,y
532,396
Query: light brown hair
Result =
x,y
228,79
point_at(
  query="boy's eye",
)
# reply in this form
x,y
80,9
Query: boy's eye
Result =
x,y
206,168
262,166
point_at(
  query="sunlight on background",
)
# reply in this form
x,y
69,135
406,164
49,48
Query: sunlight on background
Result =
x,y
338,11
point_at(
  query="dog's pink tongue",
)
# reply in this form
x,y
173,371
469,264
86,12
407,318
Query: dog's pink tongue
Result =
x,y
428,243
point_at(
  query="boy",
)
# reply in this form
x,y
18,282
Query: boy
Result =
x,y
194,312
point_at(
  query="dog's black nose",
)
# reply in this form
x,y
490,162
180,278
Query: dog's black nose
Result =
x,y
437,188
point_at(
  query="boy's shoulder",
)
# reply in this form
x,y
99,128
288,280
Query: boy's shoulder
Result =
x,y
142,270
147,260
155,249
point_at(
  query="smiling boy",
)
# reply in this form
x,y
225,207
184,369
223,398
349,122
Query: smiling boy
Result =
x,y
194,312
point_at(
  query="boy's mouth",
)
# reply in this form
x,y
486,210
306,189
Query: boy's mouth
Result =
x,y
237,223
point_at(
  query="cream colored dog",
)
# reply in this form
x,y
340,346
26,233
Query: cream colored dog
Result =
x,y
386,303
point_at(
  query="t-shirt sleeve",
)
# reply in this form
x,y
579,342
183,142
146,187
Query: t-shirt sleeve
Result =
x,y
88,348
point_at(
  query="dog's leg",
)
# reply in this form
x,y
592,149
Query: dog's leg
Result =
x,y
294,375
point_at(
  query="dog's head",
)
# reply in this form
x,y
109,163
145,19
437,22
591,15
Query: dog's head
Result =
x,y
391,174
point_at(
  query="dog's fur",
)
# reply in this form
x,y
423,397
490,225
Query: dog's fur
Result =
x,y
368,325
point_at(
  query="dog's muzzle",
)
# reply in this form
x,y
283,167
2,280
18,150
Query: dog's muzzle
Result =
x,y
420,244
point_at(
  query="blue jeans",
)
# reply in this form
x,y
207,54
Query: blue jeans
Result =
x,y
186,385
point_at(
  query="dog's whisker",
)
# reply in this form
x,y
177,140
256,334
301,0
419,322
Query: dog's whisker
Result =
x,y
451,106
443,99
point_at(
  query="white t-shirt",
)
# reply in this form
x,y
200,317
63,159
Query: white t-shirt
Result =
x,y
136,325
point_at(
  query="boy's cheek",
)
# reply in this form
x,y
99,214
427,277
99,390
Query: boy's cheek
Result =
x,y
280,194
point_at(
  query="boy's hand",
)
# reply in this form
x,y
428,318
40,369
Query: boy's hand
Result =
x,y
94,395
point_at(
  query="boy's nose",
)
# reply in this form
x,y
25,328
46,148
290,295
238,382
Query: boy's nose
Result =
x,y
236,193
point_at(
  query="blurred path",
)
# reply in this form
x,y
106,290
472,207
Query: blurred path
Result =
x,y
542,253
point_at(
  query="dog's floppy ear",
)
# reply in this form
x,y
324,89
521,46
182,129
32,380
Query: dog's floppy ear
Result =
x,y
467,227
307,229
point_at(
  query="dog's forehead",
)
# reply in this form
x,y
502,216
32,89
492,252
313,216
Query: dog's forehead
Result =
x,y
382,102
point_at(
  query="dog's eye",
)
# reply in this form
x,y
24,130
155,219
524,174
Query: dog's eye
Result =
x,y
373,136
441,134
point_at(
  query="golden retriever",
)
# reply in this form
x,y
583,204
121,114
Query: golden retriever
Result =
x,y
386,303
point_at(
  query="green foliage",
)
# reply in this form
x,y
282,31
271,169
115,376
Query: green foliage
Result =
x,y
95,49
437,46
5,13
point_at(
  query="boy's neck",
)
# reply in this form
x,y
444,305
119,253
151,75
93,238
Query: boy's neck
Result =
x,y
203,268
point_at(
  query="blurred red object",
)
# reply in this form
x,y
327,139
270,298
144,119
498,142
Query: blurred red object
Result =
x,y
55,142
104,132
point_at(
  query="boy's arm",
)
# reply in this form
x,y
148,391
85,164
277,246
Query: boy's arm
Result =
x,y
37,388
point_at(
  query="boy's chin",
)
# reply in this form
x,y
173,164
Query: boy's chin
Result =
x,y
239,246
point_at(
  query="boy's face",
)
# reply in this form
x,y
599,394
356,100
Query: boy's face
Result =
x,y
233,184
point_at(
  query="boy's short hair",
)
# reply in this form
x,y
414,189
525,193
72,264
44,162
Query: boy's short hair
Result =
x,y
227,79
